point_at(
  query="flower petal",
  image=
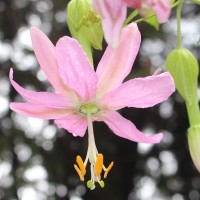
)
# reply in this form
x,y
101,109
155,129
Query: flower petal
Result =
x,y
73,124
37,111
126,129
162,9
46,56
75,68
113,14
43,98
116,64
140,92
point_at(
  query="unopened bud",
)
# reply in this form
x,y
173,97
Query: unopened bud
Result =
x,y
84,23
183,67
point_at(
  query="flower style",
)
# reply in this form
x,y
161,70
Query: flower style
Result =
x,y
113,14
83,95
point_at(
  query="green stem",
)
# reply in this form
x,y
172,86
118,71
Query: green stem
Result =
x,y
175,4
143,19
193,113
130,17
178,16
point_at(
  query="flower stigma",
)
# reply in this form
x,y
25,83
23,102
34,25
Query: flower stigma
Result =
x,y
93,157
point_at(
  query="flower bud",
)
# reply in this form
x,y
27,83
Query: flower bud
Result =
x,y
183,67
193,141
84,23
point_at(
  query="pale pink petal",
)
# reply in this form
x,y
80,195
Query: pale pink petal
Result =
x,y
43,98
75,68
126,129
133,3
46,56
37,111
140,92
116,64
162,9
74,124
113,14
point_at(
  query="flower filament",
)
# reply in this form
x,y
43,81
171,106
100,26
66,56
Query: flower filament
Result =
x,y
95,159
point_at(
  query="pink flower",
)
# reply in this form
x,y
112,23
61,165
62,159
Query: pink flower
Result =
x,y
83,95
113,14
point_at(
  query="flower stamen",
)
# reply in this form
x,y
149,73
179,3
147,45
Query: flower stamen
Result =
x,y
93,157
99,164
79,172
81,165
108,169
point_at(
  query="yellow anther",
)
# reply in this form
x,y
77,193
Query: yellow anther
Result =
x,y
81,165
99,164
108,169
79,172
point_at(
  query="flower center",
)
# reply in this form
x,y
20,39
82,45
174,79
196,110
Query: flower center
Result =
x,y
93,157
93,109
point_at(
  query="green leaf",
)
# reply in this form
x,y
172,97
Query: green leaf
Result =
x,y
183,67
152,20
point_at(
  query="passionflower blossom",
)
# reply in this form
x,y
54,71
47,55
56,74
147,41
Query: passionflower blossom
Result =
x,y
113,14
84,96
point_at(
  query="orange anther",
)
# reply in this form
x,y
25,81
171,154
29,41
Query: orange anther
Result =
x,y
108,169
81,165
79,172
99,164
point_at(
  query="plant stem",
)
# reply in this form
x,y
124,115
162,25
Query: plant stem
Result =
x,y
143,19
130,17
193,112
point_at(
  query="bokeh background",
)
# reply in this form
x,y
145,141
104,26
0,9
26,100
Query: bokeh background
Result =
x,y
36,158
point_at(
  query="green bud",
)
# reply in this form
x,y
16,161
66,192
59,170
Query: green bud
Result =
x,y
85,25
183,67
102,184
193,141
195,1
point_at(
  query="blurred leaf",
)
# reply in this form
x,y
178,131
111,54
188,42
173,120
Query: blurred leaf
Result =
x,y
152,20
